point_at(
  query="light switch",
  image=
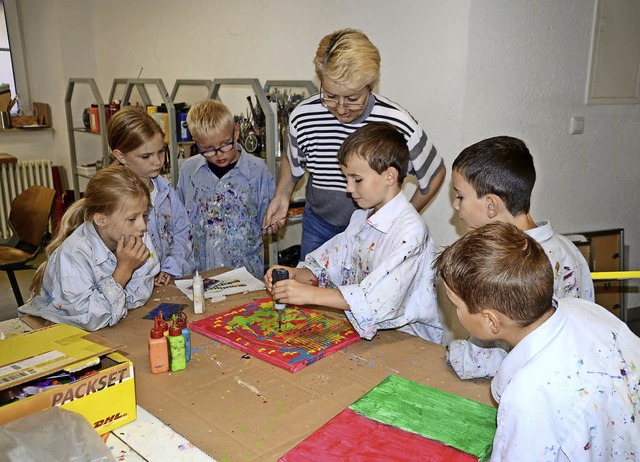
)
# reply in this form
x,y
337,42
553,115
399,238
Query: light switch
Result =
x,y
577,126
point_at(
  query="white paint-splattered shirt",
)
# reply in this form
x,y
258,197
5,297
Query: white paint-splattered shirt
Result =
x,y
474,358
78,286
570,390
382,267
571,275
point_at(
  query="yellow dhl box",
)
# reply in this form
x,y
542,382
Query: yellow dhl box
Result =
x,y
61,365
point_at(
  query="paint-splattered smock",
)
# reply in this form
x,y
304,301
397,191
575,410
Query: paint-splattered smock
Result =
x,y
571,278
382,267
78,286
570,390
170,230
226,213
571,274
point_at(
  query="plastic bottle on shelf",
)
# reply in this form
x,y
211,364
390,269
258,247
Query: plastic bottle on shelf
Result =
x,y
177,353
198,294
158,350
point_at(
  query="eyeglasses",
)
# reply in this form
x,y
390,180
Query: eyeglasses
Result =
x,y
349,101
226,147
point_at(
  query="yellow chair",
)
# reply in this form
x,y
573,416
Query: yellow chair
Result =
x,y
29,220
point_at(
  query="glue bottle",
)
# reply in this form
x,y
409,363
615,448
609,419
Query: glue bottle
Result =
x,y
158,350
186,333
177,351
198,294
279,274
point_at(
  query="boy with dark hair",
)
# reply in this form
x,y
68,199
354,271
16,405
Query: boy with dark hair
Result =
x,y
493,180
379,269
560,397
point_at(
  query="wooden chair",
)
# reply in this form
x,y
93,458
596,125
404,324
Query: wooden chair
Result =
x,y
29,220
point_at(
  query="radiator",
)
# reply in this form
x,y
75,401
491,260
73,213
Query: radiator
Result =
x,y
15,178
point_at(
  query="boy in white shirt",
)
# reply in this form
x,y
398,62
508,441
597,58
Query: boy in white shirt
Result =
x,y
493,180
569,389
379,269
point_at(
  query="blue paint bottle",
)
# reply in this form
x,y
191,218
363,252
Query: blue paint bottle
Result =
x,y
183,130
186,333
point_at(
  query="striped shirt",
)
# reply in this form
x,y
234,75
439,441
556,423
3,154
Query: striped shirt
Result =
x,y
315,136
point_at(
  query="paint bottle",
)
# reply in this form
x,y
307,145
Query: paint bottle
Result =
x,y
185,134
162,117
158,350
198,294
176,349
186,333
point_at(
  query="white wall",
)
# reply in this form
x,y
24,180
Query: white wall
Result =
x,y
527,75
465,69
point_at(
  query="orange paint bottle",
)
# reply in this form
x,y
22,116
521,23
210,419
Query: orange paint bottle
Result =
x,y
158,350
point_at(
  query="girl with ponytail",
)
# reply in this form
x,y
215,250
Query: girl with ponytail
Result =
x,y
101,262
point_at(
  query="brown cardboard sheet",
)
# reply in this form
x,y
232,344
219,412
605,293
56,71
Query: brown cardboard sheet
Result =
x,y
240,409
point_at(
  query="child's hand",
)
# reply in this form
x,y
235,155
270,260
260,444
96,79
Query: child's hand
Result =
x,y
162,279
267,277
293,292
131,253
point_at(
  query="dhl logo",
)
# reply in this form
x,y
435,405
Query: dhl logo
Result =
x,y
108,420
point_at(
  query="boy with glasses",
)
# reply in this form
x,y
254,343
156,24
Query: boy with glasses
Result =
x,y
348,67
225,191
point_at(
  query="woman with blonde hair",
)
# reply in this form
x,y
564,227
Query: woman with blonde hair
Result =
x,y
348,67
101,262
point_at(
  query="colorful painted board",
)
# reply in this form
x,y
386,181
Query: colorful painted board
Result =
x,y
306,335
397,420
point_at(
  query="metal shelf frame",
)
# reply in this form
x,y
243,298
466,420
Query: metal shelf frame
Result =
x,y
306,84
71,130
114,86
190,83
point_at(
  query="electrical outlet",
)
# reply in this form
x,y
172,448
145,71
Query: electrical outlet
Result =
x,y
577,125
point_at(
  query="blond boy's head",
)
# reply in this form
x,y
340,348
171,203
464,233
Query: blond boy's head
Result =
x,y
215,133
208,118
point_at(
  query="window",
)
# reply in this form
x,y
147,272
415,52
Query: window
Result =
x,y
12,64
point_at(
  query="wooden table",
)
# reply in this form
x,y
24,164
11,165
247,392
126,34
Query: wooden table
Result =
x,y
240,408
